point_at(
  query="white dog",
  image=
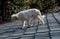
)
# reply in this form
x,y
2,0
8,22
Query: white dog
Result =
x,y
26,15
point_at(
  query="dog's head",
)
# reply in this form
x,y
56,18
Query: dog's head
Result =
x,y
14,17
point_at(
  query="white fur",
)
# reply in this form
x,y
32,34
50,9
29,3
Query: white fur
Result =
x,y
27,14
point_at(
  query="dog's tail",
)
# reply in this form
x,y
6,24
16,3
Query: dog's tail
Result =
x,y
41,17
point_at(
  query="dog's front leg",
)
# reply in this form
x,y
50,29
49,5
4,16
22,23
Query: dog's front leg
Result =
x,y
33,20
28,23
23,24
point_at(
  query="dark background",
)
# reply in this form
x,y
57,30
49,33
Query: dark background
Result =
x,y
9,7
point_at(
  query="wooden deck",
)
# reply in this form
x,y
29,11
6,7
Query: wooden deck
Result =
x,y
49,30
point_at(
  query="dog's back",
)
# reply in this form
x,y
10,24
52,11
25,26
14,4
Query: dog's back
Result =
x,y
29,13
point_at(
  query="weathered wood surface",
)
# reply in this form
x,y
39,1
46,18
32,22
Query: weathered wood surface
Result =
x,y
49,30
